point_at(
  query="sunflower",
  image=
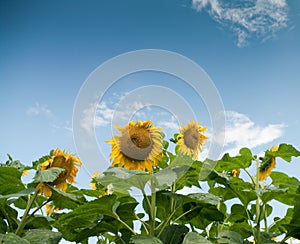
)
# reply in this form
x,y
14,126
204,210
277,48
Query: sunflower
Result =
x,y
236,172
63,160
267,166
138,147
191,139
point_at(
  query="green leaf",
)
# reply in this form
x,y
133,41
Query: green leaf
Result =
x,y
165,178
283,181
10,181
294,226
139,239
123,179
237,214
48,175
279,225
229,163
285,151
224,192
269,193
39,222
243,228
22,193
65,200
39,236
174,234
243,190
12,238
188,175
230,237
89,219
195,238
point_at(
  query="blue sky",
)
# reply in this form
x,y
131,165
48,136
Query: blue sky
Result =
x,y
250,50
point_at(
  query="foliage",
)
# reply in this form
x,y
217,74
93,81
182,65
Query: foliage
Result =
x,y
232,210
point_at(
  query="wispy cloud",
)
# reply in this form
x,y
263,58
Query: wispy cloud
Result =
x,y
103,114
241,131
171,124
262,18
40,110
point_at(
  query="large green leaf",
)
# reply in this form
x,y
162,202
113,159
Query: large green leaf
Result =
x,y
188,175
199,209
140,239
229,163
90,219
294,226
224,192
12,238
243,190
230,237
39,236
285,151
165,178
22,193
279,224
174,234
269,193
123,179
243,228
39,222
10,181
48,175
195,238
283,181
237,214
65,200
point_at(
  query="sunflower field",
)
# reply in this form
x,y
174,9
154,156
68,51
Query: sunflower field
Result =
x,y
152,195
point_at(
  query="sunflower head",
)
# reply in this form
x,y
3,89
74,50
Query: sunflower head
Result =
x,y
63,160
236,172
191,139
267,165
137,147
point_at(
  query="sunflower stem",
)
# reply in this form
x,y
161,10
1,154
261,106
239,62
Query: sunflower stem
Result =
x,y
25,216
257,203
152,209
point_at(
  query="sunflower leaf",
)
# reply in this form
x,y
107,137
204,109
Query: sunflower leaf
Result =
x,y
140,239
174,234
48,175
89,219
12,238
48,236
285,151
65,200
195,238
10,180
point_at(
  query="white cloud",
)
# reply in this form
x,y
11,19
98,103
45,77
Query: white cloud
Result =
x,y
39,109
262,18
243,132
171,124
106,114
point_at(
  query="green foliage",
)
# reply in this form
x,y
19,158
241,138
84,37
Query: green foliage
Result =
x,y
231,210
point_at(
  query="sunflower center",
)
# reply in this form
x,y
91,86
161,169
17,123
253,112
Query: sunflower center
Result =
x,y
61,162
191,138
136,144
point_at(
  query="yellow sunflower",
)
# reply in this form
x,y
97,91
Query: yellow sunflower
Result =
x,y
191,139
236,173
138,147
266,168
63,160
